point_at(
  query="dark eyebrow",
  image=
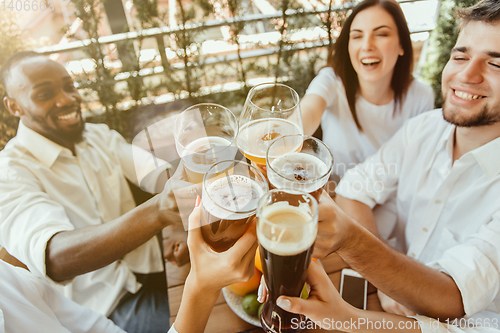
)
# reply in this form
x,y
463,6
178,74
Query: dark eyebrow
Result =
x,y
382,26
464,49
46,83
377,28
494,54
461,49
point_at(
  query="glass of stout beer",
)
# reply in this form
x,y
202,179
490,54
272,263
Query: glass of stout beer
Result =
x,y
287,225
299,162
205,134
230,194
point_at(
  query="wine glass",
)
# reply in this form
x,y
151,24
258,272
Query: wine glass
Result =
x,y
205,134
271,110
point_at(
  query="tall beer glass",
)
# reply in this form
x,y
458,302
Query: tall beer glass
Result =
x,y
305,169
205,134
270,111
231,192
286,229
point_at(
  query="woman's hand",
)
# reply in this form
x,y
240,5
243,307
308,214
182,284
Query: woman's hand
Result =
x,y
324,304
210,270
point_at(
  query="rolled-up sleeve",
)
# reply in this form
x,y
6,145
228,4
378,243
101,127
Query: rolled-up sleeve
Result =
x,y
475,267
375,180
28,218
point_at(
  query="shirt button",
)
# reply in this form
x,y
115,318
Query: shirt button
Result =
x,y
444,171
438,201
425,229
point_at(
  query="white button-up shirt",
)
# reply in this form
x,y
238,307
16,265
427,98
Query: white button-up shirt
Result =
x,y
28,304
44,190
448,213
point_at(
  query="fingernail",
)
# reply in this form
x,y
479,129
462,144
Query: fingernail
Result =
x,y
198,201
259,293
283,303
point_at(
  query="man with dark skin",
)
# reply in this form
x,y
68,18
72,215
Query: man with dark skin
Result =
x,y
66,210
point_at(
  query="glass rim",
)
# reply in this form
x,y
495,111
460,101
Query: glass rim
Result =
x,y
294,93
264,181
233,139
312,219
305,137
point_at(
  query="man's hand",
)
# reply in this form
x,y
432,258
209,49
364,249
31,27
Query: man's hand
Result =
x,y
391,306
333,227
175,247
176,201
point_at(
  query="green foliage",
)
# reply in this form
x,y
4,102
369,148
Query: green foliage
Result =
x,y
443,39
10,42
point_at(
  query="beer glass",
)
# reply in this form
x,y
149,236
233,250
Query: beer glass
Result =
x,y
270,111
287,224
205,134
306,168
230,194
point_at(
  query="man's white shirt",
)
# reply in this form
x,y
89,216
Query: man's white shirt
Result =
x,y
29,304
44,190
448,213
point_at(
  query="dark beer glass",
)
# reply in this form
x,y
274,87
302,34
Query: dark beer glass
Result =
x,y
299,162
286,229
230,194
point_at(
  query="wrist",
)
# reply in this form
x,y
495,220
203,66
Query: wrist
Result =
x,y
352,237
197,289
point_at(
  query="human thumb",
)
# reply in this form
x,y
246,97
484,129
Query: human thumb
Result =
x,y
292,304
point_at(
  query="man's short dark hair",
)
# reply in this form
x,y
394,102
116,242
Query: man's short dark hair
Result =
x,y
487,11
9,64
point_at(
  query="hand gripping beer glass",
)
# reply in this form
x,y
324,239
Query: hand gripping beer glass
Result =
x,y
270,111
205,134
299,162
230,194
287,224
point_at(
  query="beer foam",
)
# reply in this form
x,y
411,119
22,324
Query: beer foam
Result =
x,y
232,197
300,170
286,230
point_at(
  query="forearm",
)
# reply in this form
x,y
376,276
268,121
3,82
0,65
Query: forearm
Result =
x,y
420,288
76,252
359,212
312,108
195,309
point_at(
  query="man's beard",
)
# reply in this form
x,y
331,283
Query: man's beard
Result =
x,y
73,136
486,117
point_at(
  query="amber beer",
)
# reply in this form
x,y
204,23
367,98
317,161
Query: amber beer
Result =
x,y
305,169
286,229
230,201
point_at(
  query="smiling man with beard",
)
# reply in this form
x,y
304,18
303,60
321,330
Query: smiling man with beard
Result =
x,y
66,209
444,169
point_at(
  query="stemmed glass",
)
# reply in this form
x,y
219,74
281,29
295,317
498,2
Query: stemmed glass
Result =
x,y
205,134
271,110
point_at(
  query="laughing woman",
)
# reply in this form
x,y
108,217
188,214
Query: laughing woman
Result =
x,y
367,91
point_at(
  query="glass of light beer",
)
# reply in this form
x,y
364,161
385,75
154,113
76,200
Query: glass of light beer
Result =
x,y
270,111
306,168
287,224
230,194
205,134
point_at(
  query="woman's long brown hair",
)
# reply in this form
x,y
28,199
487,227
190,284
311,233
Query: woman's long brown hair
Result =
x,y
340,61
